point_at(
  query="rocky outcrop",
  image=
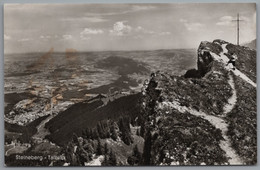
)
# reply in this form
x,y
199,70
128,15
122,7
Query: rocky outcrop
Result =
x,y
205,59
199,120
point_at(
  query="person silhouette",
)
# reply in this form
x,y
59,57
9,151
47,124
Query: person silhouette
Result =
x,y
232,60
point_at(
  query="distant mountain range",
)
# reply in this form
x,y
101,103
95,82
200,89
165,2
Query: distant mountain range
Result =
x,y
251,44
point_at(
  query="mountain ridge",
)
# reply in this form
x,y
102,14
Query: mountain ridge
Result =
x,y
205,117
214,93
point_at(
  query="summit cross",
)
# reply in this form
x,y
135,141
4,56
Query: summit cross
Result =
x,y
237,20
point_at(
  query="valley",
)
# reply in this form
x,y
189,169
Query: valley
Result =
x,y
57,95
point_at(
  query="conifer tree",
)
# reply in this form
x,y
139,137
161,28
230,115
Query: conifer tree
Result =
x,y
99,147
113,132
138,132
112,159
106,149
147,149
135,158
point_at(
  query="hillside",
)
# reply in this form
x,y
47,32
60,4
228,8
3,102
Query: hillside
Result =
x,y
87,114
208,116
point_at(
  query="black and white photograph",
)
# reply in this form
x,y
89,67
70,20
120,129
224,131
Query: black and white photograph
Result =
x,y
130,84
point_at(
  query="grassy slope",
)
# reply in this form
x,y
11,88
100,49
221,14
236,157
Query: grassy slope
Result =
x,y
176,131
242,122
246,61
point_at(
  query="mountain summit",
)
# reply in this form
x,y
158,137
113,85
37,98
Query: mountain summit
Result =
x,y
206,117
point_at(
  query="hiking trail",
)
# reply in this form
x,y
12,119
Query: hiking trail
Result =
x,y
233,99
224,59
216,121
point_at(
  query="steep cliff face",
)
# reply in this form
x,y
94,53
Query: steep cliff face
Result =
x,y
208,118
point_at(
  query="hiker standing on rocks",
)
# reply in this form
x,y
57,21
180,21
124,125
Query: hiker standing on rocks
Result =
x,y
232,60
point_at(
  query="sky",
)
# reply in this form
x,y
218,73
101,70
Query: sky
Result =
x,y
102,27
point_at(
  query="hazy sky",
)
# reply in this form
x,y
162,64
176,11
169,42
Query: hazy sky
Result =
x,y
87,27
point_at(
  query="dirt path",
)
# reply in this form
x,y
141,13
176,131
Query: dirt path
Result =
x,y
233,99
215,121
224,59
244,77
